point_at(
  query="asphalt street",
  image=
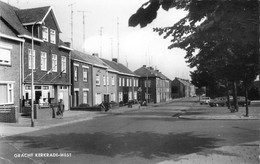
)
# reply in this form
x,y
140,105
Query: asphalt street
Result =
x,y
150,135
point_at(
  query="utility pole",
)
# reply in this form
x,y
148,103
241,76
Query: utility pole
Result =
x,y
84,37
111,39
71,23
117,39
101,31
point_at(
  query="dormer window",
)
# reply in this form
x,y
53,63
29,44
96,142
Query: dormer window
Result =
x,y
45,33
53,36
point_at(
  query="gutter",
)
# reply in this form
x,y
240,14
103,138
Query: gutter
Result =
x,y
11,37
29,37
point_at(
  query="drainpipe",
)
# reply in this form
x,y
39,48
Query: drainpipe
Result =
x,y
92,85
70,86
21,56
107,80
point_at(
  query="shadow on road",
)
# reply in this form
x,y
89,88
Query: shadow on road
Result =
x,y
143,144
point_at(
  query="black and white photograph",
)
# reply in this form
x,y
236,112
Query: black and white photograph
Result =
x,y
129,82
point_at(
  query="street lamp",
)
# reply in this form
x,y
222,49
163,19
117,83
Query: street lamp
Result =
x,y
32,82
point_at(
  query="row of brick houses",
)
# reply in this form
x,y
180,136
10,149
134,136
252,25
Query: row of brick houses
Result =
x,y
30,40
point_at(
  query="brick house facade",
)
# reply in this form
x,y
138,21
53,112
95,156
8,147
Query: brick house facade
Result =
x,y
154,85
100,84
10,68
81,80
127,81
51,57
39,29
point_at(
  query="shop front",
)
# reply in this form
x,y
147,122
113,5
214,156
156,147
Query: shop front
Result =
x,y
44,95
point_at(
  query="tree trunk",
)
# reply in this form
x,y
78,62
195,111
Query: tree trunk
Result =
x,y
246,96
235,103
227,94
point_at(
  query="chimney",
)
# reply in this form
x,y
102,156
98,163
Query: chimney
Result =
x,y
144,66
68,44
95,54
151,68
114,60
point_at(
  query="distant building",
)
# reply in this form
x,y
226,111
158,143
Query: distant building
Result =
x,y
182,88
127,81
155,87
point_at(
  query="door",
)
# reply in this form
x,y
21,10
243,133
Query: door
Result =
x,y
76,98
63,94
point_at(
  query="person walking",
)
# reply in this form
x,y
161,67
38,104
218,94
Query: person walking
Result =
x,y
61,108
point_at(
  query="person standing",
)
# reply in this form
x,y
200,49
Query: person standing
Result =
x,y
61,108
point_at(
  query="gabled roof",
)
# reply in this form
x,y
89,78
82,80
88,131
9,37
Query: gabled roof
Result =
x,y
12,20
120,68
9,17
145,71
183,81
34,15
89,59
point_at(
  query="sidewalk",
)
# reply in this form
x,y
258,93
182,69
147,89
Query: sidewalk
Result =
x,y
221,113
70,117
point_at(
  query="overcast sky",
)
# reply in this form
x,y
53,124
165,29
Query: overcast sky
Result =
x,y
137,46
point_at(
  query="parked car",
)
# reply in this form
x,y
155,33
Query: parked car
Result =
x,y
241,101
204,100
219,101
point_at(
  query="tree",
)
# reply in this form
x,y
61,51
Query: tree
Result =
x,y
225,33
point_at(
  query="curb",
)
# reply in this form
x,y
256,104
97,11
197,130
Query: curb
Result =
x,y
211,117
37,128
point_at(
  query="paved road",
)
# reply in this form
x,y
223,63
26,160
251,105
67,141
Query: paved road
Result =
x,y
151,135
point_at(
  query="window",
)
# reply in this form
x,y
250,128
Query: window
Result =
x,y
135,95
54,62
107,80
6,93
136,83
120,84
43,61
130,95
5,56
120,96
30,58
45,33
97,80
113,80
63,64
130,82
85,97
147,83
127,82
53,36
75,73
104,80
123,82
85,74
